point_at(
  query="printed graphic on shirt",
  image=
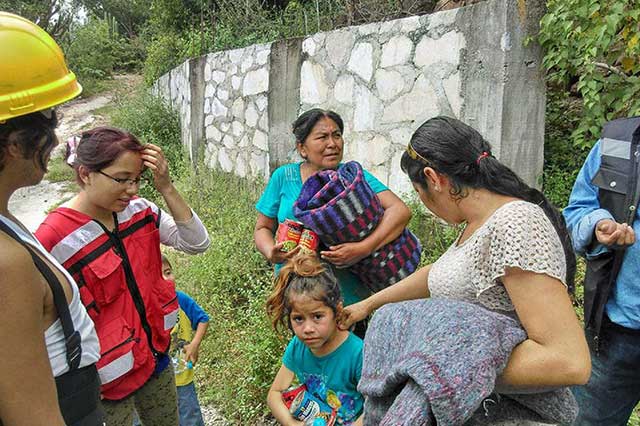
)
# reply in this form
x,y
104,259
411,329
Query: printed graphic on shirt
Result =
x,y
343,403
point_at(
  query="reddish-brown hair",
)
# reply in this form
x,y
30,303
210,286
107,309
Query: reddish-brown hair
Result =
x,y
100,147
303,274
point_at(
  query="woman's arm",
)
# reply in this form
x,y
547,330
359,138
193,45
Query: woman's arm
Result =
x,y
263,236
395,219
27,390
190,237
274,398
415,286
182,229
556,351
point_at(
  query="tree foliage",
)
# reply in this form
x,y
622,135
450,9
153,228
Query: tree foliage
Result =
x,y
55,16
131,15
595,44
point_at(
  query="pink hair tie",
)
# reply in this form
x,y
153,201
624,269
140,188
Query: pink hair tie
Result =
x,y
72,147
484,154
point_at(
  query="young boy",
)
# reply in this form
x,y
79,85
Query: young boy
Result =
x,y
187,334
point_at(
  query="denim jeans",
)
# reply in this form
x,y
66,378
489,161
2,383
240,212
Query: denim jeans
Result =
x,y
613,390
188,406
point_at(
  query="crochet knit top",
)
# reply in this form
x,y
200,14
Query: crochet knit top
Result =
x,y
518,234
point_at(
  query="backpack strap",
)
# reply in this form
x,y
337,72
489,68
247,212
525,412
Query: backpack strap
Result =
x,y
71,335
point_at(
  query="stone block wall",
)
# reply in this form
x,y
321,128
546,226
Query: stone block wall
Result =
x,y
175,88
385,79
235,109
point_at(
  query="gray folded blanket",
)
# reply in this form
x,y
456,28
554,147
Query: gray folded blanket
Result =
x,y
435,361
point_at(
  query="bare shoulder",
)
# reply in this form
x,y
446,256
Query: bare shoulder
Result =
x,y
16,267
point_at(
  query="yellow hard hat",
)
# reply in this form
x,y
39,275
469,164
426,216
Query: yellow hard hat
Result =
x,y
33,73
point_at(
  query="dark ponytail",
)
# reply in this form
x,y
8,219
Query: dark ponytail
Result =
x,y
458,151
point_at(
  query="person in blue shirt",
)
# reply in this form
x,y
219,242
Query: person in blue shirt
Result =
x,y
613,391
186,337
319,142
325,359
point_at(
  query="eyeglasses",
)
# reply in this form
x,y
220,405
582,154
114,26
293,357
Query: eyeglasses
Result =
x,y
124,182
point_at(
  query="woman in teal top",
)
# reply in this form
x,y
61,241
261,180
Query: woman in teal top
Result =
x,y
319,142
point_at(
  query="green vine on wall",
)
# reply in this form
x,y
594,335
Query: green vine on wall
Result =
x,y
594,47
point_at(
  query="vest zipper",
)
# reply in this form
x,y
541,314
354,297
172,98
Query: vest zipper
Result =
x,y
132,285
631,209
169,302
119,345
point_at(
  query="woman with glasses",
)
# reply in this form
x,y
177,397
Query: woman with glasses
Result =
x,y
109,240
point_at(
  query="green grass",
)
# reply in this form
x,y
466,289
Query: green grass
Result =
x,y
59,171
231,281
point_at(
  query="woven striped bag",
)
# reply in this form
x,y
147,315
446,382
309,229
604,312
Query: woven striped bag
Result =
x,y
340,206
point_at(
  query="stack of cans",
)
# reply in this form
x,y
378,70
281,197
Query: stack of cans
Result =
x,y
293,233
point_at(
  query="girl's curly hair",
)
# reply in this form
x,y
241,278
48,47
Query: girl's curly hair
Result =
x,y
303,274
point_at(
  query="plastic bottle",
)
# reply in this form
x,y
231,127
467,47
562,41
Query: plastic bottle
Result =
x,y
180,365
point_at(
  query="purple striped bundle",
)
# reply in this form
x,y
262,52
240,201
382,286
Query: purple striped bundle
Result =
x,y
340,206
391,263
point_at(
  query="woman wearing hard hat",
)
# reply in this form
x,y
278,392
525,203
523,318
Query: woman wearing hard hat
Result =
x,y
49,345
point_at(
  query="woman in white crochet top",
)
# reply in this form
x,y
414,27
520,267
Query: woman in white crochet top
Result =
x,y
513,255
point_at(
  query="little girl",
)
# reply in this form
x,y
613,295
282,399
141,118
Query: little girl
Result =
x,y
325,359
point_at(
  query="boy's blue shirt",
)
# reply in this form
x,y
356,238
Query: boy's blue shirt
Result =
x,y
582,214
277,200
333,378
194,312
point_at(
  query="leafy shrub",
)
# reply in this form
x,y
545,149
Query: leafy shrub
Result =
x,y
562,160
90,53
152,121
163,54
598,44
95,50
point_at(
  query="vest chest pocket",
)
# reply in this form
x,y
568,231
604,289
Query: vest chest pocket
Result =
x,y
108,281
611,180
613,186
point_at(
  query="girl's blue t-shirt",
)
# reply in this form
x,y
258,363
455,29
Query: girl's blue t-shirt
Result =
x,y
333,378
277,202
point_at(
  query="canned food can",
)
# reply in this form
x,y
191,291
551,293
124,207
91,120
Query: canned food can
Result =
x,y
303,405
309,241
289,233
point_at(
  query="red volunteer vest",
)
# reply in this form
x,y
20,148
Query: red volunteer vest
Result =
x,y
121,285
